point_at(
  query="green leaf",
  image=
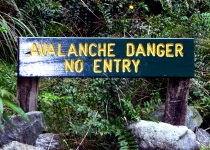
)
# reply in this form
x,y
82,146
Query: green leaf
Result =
x,y
3,27
5,93
6,118
1,108
15,108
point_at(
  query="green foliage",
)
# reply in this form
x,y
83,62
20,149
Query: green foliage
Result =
x,y
204,147
6,99
42,13
200,86
103,107
8,77
11,26
80,104
119,17
126,140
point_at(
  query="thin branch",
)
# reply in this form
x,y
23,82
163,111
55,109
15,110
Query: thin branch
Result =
x,y
91,10
86,134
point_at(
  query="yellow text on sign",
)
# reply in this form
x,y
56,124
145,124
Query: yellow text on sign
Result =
x,y
84,49
107,65
154,49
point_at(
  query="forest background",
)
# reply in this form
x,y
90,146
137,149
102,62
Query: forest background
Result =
x,y
94,112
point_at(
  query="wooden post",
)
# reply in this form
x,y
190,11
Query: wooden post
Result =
x,y
27,93
176,101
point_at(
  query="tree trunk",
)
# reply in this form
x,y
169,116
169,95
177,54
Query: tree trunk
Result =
x,y
176,101
27,93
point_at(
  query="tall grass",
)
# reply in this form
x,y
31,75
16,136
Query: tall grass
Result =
x,y
12,25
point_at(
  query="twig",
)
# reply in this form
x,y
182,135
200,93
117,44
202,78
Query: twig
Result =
x,y
85,134
90,10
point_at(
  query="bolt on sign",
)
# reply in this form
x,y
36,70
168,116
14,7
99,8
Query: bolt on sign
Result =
x,y
106,57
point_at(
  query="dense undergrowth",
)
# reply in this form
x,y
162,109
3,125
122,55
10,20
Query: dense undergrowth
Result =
x,y
93,112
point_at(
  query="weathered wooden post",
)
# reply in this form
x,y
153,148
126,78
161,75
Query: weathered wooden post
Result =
x,y
27,93
176,101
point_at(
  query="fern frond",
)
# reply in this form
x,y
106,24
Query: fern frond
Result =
x,y
126,140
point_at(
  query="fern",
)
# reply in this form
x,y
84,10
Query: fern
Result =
x,y
126,140
106,13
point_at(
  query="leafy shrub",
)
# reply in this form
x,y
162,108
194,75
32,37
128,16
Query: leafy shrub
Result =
x,y
42,13
103,107
93,105
8,76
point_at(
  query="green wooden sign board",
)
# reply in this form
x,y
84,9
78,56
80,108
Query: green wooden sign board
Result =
x,y
106,57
